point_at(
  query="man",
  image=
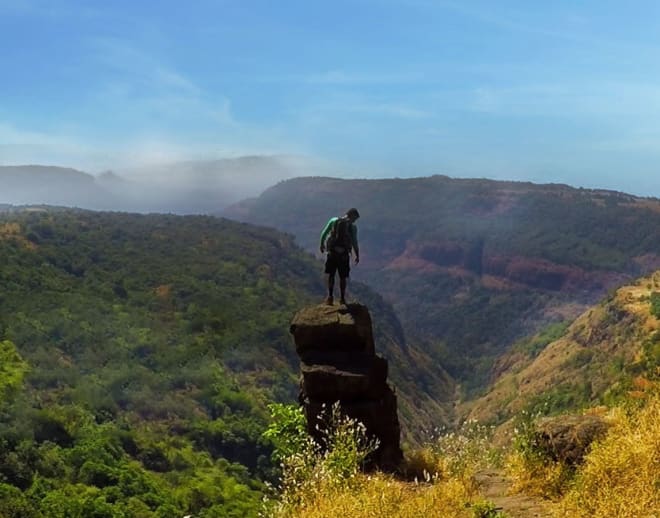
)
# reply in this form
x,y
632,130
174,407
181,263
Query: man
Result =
x,y
339,237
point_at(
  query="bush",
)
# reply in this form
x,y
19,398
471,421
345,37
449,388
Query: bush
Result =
x,y
530,469
463,451
286,431
655,304
308,468
13,504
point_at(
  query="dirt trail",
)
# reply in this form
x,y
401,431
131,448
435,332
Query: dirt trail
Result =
x,y
494,487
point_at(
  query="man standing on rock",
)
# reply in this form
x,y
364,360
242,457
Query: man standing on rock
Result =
x,y
339,237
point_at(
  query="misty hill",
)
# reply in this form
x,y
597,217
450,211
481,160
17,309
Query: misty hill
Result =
x,y
609,352
193,187
473,265
35,184
138,354
196,187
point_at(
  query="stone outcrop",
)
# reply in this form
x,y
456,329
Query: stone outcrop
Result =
x,y
339,364
567,438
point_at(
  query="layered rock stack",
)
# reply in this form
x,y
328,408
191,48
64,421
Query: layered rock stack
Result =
x,y
339,364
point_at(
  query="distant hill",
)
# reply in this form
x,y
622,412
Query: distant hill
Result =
x,y
192,187
609,352
35,184
138,354
473,265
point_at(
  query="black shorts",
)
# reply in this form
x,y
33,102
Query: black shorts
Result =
x,y
338,262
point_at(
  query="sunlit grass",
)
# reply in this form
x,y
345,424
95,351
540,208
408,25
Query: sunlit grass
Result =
x,y
434,481
621,474
381,495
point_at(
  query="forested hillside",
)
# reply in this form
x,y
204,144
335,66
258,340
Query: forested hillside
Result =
x,y
138,356
610,352
471,266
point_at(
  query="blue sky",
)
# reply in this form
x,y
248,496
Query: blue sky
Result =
x,y
562,91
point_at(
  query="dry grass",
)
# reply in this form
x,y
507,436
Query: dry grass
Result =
x,y
435,481
538,477
621,475
381,495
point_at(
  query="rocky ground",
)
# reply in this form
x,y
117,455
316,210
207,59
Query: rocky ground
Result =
x,y
495,487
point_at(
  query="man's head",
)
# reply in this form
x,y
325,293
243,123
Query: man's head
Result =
x,y
353,214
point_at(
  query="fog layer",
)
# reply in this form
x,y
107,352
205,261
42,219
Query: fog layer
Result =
x,y
194,187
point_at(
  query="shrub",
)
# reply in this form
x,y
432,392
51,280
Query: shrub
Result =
x,y
14,504
530,469
286,430
486,509
464,451
655,304
308,468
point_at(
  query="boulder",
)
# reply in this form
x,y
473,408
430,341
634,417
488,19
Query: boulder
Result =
x,y
330,381
338,364
567,438
333,328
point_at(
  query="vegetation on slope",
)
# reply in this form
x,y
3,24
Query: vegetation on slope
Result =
x,y
609,352
138,354
149,346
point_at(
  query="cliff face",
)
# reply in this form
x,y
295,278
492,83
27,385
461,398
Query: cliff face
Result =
x,y
338,364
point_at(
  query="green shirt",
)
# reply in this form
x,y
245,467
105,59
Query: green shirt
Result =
x,y
354,234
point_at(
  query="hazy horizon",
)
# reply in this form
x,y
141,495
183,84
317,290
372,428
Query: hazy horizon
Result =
x,y
559,93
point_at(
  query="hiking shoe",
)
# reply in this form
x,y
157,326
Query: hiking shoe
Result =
x,y
342,301
329,301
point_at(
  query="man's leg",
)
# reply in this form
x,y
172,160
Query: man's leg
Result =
x,y
344,269
330,270
331,289
342,289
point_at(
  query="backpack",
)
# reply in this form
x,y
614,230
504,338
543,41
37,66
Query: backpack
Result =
x,y
340,240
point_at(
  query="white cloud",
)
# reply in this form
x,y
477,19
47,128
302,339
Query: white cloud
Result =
x,y
140,71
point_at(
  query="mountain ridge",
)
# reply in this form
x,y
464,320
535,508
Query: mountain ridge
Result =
x,y
496,261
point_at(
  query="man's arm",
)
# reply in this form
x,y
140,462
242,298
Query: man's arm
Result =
x,y
325,232
356,246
